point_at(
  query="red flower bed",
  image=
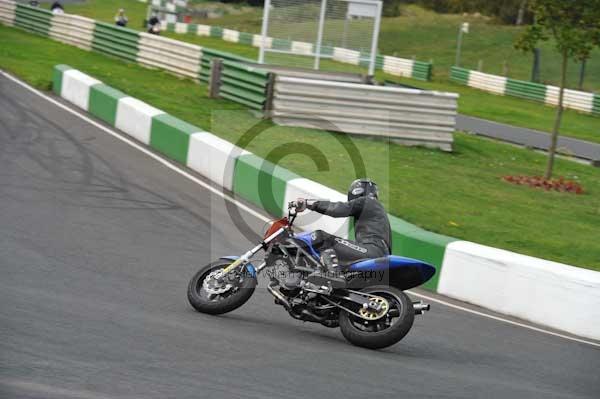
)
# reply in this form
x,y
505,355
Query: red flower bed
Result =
x,y
560,184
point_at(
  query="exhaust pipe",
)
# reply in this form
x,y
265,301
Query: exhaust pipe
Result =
x,y
279,298
305,315
421,307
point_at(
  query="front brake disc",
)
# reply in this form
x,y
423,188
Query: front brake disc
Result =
x,y
215,286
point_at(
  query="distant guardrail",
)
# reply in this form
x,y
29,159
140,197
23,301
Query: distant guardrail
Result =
x,y
116,41
574,99
392,65
209,54
407,116
179,57
241,83
73,29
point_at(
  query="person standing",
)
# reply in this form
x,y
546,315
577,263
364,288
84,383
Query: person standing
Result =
x,y
120,18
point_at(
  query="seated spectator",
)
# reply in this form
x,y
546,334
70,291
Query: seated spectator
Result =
x,y
121,19
154,24
57,8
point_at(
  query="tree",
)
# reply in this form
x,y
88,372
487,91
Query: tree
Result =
x,y
574,26
505,11
521,12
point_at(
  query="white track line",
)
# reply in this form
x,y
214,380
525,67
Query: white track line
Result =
x,y
260,216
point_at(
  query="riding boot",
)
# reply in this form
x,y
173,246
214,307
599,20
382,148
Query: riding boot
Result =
x,y
331,277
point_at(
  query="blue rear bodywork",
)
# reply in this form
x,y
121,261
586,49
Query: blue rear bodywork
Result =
x,y
396,271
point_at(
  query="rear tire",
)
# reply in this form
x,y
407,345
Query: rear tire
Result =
x,y
227,302
349,324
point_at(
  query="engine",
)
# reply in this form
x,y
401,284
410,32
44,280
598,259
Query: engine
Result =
x,y
282,271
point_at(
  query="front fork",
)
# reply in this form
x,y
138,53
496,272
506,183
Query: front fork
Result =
x,y
242,260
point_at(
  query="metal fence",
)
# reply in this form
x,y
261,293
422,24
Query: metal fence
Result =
x,y
207,57
410,117
116,41
396,66
33,19
7,12
73,29
178,57
241,83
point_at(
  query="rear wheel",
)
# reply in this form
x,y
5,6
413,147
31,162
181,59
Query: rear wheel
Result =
x,y
382,331
209,294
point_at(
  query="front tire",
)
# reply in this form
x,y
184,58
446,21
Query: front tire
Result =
x,y
377,335
242,289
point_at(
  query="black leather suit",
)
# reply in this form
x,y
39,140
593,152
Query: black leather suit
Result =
x,y
371,225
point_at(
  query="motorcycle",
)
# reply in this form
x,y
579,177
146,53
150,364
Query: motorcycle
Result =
x,y
365,299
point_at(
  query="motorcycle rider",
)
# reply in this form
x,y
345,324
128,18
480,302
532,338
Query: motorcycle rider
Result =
x,y
371,225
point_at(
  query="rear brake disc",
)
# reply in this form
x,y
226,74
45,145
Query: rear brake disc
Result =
x,y
376,309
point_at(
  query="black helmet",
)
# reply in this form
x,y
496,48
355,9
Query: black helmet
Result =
x,y
362,187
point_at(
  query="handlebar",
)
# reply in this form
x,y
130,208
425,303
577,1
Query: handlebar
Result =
x,y
294,204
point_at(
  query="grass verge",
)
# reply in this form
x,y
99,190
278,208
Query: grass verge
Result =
x,y
457,194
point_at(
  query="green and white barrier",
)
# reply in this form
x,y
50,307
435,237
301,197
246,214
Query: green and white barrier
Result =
x,y
346,56
116,41
257,40
33,19
548,293
75,87
152,51
574,99
172,6
302,48
73,29
409,68
134,117
214,158
181,58
7,13
244,84
207,57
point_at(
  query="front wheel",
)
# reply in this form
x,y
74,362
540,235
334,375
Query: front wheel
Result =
x,y
381,331
208,294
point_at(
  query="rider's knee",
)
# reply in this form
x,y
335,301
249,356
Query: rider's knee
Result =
x,y
319,237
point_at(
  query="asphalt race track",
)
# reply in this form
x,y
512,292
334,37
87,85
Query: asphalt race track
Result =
x,y
97,244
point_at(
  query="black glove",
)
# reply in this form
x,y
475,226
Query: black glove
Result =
x,y
300,204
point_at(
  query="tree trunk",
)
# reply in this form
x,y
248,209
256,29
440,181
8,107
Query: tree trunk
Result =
x,y
521,12
559,112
